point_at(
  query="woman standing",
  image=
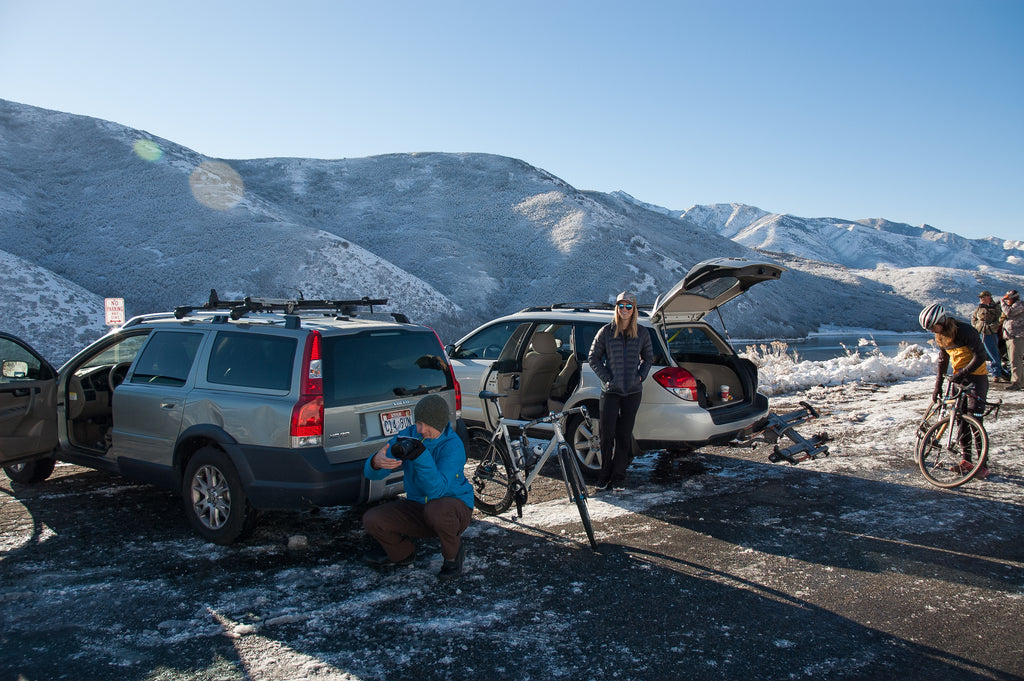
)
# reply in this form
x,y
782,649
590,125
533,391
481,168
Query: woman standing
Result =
x,y
621,356
959,345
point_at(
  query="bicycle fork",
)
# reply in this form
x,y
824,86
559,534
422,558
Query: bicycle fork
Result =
x,y
519,489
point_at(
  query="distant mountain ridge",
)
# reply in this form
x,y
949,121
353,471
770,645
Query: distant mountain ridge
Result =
x,y
450,239
857,244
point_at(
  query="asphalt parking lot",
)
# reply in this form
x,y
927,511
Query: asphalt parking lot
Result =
x,y
718,566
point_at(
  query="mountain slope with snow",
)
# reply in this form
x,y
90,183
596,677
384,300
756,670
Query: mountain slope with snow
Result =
x,y
857,244
451,239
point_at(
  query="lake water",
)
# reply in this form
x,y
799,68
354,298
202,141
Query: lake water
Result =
x,y
827,346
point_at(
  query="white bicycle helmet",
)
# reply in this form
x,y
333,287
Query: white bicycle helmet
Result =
x,y
930,316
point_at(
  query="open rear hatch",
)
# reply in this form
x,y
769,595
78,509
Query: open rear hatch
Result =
x,y
708,285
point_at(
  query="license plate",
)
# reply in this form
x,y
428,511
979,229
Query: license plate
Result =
x,y
393,421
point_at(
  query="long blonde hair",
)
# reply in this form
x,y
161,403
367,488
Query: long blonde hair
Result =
x,y
627,329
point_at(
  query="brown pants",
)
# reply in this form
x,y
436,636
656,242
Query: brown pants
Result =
x,y
392,524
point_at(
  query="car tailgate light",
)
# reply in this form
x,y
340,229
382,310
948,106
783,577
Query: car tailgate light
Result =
x,y
307,427
677,381
451,372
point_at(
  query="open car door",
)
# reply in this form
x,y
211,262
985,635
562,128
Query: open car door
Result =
x,y
28,402
710,284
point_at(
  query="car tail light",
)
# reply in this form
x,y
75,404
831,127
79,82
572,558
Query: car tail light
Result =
x,y
451,372
677,381
307,429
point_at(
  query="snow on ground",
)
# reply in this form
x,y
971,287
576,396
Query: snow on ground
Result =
x,y
870,406
285,620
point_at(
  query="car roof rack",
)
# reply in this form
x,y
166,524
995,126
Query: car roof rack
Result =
x,y
583,307
240,308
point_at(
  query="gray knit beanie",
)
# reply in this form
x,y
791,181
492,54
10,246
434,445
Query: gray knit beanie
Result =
x,y
433,411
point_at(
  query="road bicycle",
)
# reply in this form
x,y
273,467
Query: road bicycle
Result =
x,y
502,468
952,444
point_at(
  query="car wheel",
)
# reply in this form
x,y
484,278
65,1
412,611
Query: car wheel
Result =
x,y
586,443
215,502
30,471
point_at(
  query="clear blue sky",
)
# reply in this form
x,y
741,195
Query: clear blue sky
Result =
x,y
911,110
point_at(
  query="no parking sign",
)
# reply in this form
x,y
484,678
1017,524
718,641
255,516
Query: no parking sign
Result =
x,y
113,309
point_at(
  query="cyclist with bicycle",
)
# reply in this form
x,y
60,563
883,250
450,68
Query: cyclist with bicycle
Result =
x,y
960,345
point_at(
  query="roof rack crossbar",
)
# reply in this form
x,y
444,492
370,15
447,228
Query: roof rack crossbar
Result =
x,y
239,308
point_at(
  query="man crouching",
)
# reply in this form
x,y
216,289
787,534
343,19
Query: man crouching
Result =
x,y
438,499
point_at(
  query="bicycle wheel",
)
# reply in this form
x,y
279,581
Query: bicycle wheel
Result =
x,y
489,469
577,489
941,454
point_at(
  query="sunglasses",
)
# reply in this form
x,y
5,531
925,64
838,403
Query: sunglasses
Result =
x,y
624,306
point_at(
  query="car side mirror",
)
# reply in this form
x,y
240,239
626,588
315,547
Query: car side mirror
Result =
x,y
450,350
14,369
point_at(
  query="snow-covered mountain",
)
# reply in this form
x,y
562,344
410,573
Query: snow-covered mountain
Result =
x,y
450,239
857,244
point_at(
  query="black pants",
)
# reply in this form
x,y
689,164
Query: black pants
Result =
x,y
618,414
976,406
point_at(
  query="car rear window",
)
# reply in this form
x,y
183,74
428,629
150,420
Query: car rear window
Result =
x,y
379,365
690,340
252,360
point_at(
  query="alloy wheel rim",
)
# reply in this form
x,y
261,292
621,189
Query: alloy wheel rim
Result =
x,y
211,497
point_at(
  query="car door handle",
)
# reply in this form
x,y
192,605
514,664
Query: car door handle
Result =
x,y
19,392
168,405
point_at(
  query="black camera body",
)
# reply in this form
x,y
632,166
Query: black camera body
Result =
x,y
407,448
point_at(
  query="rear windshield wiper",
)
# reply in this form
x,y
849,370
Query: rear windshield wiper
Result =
x,y
421,390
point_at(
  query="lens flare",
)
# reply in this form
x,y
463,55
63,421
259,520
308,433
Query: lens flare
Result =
x,y
216,185
148,150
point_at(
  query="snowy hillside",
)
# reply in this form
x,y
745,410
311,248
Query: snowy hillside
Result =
x,y
57,317
859,244
451,239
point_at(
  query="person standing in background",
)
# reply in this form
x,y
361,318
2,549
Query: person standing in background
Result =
x,y
986,321
1013,332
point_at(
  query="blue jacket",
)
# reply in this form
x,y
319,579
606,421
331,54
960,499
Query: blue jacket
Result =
x,y
437,472
621,363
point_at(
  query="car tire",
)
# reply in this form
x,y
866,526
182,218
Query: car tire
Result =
x,y
216,504
585,443
30,471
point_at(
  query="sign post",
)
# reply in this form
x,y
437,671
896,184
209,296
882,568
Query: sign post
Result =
x,y
113,309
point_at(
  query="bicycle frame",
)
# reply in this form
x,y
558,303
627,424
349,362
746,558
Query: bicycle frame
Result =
x,y
952,439
522,468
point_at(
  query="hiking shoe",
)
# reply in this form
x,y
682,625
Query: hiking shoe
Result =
x,y
451,569
378,558
603,485
618,485
963,468
982,473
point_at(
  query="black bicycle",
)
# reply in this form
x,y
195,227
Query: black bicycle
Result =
x,y
952,444
501,468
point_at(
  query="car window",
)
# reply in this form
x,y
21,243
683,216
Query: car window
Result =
x,y
486,343
562,334
18,364
585,338
691,340
252,360
659,354
167,358
124,350
380,365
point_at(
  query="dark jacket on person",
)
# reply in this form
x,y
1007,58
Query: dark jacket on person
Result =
x,y
621,363
986,319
